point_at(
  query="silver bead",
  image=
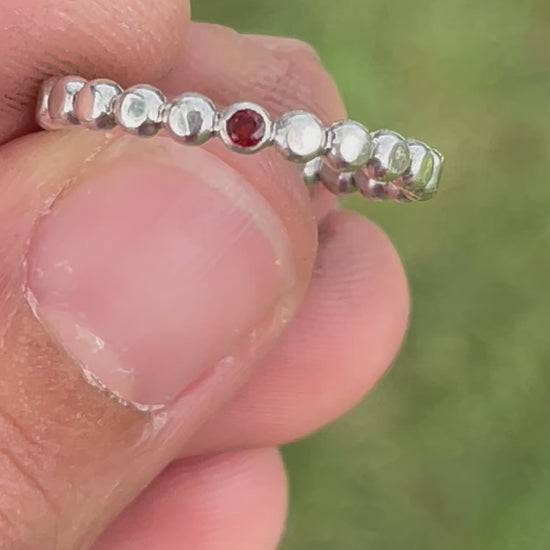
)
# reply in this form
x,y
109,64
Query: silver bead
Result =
x,y
377,190
432,186
139,110
336,182
300,136
43,117
421,181
245,128
191,118
94,105
372,189
311,171
351,146
422,165
345,157
61,100
391,157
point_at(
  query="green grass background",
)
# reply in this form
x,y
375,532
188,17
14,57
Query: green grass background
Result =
x,y
452,449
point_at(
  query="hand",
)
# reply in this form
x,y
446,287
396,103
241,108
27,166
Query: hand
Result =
x,y
199,278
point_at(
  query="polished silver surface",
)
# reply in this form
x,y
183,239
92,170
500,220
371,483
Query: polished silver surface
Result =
x,y
139,110
311,172
422,164
191,119
61,100
421,169
351,145
343,157
391,157
43,117
432,186
378,190
94,104
370,188
300,136
339,183
226,115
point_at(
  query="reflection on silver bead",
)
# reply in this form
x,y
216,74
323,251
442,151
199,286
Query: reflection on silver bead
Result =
x,y
422,164
433,184
300,136
367,186
378,190
339,183
139,110
191,119
351,145
42,113
61,100
421,181
312,171
391,156
94,105
375,190
421,168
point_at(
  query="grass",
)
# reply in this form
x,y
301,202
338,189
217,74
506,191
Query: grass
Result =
x,y
451,450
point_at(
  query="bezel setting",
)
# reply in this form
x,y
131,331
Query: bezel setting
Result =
x,y
344,157
230,112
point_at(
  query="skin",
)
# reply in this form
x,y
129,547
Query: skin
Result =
x,y
206,470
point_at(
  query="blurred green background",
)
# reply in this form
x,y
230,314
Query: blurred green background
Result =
x,y
451,450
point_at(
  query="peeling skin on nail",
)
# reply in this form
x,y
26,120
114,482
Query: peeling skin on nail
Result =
x,y
95,343
158,420
61,265
96,382
31,300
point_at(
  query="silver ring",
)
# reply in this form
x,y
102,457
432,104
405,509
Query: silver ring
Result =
x,y
345,157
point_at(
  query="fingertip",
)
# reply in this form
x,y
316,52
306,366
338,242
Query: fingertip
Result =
x,y
360,264
347,332
72,415
234,501
286,45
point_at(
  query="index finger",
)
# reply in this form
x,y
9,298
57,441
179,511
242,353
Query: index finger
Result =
x,y
131,41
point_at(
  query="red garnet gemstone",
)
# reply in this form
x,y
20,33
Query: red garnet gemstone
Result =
x,y
246,128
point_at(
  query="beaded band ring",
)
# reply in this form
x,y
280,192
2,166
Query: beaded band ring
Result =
x,y
345,157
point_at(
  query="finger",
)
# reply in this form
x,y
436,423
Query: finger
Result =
x,y
226,502
286,45
131,41
347,331
230,67
160,271
290,49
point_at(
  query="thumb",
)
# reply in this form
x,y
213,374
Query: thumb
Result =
x,y
160,273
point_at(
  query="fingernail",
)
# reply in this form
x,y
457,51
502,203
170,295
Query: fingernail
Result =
x,y
150,269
